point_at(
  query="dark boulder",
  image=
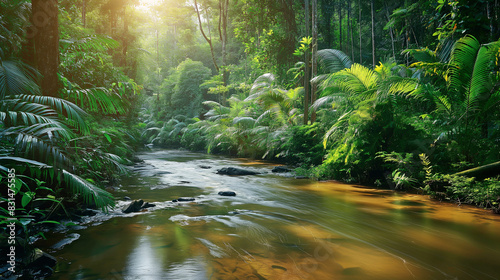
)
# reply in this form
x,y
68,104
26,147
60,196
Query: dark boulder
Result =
x,y
134,206
301,177
235,171
126,198
281,169
41,263
227,193
137,206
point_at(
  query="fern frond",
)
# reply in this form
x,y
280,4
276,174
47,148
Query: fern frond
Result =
x,y
332,61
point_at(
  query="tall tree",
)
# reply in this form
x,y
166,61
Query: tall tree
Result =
x,y
84,13
349,26
314,67
208,39
339,10
374,56
307,78
223,11
359,33
44,32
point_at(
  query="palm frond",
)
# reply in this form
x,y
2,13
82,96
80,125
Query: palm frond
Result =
x,y
422,55
95,43
462,63
74,114
336,126
89,192
332,61
480,84
244,121
16,78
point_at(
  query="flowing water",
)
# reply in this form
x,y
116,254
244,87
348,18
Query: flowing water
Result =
x,y
277,227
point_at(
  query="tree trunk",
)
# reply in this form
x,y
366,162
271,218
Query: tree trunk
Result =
x,y
374,56
209,41
125,40
490,18
314,67
327,14
45,32
224,16
306,70
481,172
341,41
291,31
390,30
359,30
84,13
351,31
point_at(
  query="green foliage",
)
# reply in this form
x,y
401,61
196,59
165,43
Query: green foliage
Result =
x,y
15,15
405,171
182,91
35,132
305,46
465,190
303,146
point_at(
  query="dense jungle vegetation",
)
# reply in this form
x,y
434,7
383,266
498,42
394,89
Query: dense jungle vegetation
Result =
x,y
394,93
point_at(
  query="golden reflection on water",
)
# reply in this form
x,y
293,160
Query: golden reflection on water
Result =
x,y
291,229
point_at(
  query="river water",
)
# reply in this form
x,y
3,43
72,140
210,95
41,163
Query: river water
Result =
x,y
276,227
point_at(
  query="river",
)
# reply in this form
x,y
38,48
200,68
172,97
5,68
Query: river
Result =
x,y
276,227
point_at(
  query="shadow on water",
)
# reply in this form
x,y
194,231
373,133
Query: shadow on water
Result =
x,y
276,227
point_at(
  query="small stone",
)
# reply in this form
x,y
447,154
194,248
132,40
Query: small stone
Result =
x,y
204,166
227,193
126,198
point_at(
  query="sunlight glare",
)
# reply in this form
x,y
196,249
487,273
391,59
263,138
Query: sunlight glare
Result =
x,y
146,4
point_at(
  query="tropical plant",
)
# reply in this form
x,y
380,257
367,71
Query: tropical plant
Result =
x,y
470,97
36,129
362,102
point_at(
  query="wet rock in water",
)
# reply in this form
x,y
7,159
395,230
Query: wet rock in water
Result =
x,y
134,206
42,264
126,198
183,199
235,171
301,177
147,205
162,173
136,160
353,271
86,212
281,169
279,267
68,240
204,166
184,182
227,193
